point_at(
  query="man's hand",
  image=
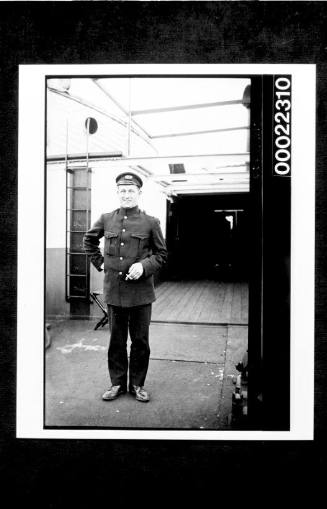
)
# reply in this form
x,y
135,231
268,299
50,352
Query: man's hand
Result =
x,y
135,271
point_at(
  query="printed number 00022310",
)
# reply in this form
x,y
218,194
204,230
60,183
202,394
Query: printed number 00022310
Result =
x,y
282,128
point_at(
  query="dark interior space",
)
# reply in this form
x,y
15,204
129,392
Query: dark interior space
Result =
x,y
207,237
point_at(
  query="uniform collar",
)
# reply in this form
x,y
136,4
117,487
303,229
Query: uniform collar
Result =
x,y
129,212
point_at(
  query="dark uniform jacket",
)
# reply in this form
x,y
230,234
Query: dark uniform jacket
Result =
x,y
130,236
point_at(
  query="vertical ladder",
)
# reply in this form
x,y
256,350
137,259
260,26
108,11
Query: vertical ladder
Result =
x,y
78,211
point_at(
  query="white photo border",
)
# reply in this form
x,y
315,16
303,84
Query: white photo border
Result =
x,y
31,216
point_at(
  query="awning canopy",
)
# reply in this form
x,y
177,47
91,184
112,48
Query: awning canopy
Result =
x,y
189,134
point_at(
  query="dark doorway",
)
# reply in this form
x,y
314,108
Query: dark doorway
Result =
x,y
207,237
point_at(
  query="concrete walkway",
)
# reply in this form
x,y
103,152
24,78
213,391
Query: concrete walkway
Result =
x,y
189,377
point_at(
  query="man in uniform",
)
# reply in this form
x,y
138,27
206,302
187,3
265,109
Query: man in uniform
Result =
x,y
134,250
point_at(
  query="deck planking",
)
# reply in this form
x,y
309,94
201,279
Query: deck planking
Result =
x,y
245,302
204,301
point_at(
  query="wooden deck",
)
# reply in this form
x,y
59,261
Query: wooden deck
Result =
x,y
207,302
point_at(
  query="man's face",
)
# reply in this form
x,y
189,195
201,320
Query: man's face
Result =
x,y
128,195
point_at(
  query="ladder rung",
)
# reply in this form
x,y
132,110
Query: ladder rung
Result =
x,y
77,296
77,168
76,253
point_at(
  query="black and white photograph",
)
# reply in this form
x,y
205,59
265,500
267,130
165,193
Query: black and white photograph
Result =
x,y
168,251
183,359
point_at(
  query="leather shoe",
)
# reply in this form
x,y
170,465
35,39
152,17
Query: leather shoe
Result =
x,y
113,392
140,393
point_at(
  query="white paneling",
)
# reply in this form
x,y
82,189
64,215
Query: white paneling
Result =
x,y
56,206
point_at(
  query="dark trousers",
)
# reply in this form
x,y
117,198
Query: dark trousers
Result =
x,y
136,321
